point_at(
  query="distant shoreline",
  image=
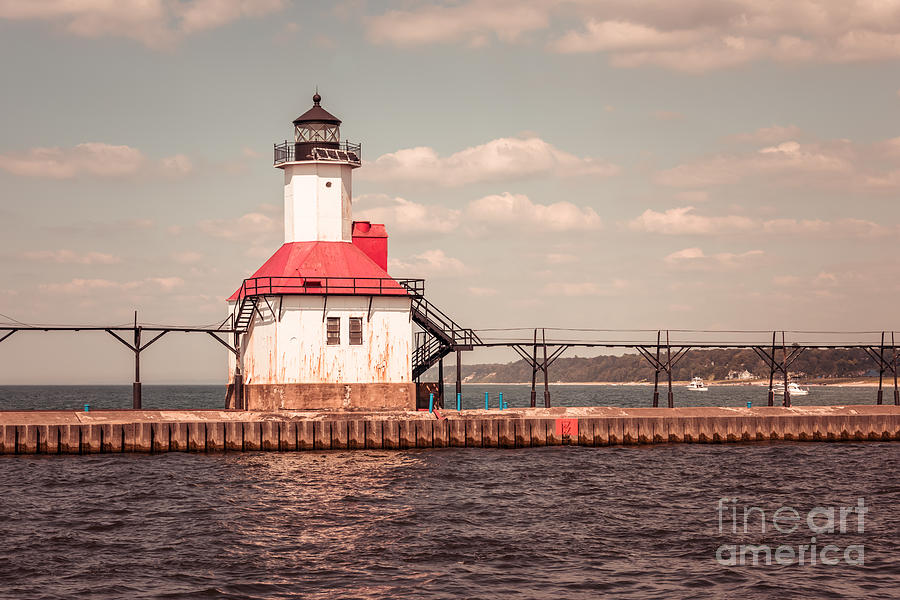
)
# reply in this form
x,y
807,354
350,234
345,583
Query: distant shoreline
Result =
x,y
888,383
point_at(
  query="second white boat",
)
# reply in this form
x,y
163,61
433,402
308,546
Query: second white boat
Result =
x,y
697,385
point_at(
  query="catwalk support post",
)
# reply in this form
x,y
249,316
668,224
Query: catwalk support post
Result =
x,y
784,369
137,347
136,386
880,399
534,370
546,376
671,397
772,374
458,373
656,373
440,401
896,390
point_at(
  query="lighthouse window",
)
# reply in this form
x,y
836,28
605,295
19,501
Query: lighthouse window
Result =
x,y
333,331
356,331
317,132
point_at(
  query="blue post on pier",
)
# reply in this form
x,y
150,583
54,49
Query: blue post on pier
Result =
x,y
501,401
430,402
458,401
486,401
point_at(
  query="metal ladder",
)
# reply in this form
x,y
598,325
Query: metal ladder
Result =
x,y
244,315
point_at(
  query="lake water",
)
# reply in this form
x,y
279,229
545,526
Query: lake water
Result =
x,y
559,522
543,523
213,396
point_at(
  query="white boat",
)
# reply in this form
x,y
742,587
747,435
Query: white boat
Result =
x,y
793,389
697,385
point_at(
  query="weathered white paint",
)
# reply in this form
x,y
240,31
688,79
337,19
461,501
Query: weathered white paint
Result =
x,y
317,201
290,346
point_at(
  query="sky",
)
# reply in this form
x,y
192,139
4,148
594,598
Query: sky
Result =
x,y
705,164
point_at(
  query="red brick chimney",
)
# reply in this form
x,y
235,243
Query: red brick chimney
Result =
x,y
372,239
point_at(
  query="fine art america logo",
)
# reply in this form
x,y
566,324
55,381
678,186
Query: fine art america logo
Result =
x,y
819,521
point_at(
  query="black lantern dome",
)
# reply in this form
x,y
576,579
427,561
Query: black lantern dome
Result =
x,y
317,136
316,128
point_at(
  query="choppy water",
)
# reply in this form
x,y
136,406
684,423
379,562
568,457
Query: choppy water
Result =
x,y
213,396
563,522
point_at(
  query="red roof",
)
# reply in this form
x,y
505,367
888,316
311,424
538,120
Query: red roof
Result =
x,y
320,268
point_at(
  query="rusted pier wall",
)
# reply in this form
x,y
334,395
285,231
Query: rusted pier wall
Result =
x,y
60,432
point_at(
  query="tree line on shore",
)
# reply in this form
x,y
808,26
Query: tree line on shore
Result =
x,y
711,365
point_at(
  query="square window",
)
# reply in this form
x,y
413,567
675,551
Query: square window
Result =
x,y
356,331
334,331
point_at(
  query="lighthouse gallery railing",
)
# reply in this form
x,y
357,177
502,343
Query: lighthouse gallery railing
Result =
x,y
350,286
341,151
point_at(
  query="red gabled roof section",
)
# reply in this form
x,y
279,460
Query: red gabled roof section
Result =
x,y
320,268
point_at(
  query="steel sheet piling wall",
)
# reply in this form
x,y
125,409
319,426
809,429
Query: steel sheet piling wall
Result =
x,y
410,431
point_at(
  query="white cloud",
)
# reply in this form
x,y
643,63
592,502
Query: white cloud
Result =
x,y
483,292
768,135
187,257
709,34
178,164
428,264
557,258
404,216
785,280
686,254
70,257
104,229
822,280
155,23
468,22
516,210
692,196
587,288
691,35
620,35
201,15
830,164
89,158
683,221
495,212
246,227
497,160
695,258
823,163
85,287
839,227
633,45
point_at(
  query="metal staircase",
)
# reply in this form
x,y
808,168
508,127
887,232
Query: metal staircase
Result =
x,y
428,351
440,334
244,315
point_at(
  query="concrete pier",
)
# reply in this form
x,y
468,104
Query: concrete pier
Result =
x,y
113,431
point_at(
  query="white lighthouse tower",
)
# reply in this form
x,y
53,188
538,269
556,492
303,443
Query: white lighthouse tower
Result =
x,y
321,324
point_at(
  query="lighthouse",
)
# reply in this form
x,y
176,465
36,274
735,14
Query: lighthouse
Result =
x,y
321,324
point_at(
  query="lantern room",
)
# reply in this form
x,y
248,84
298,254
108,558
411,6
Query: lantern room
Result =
x,y
316,128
